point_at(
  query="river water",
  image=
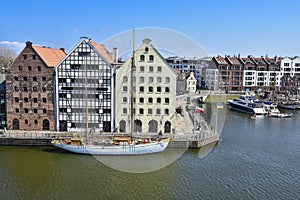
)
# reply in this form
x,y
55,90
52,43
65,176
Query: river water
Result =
x,y
254,159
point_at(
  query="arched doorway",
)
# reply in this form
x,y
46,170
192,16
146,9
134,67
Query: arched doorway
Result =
x,y
153,126
167,127
16,125
46,124
138,126
122,126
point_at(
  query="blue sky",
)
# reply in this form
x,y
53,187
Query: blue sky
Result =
x,y
221,27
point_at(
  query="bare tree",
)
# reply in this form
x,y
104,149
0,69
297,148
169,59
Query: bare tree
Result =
x,y
7,55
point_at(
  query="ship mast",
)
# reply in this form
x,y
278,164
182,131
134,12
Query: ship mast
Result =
x,y
86,101
132,71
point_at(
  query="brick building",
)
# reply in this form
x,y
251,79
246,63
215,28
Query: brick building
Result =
x,y
30,88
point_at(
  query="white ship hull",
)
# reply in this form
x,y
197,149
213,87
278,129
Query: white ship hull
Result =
x,y
125,149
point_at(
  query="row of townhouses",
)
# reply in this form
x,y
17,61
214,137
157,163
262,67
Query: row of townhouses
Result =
x,y
231,73
47,89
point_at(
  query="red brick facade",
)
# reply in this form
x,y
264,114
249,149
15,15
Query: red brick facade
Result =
x,y
30,91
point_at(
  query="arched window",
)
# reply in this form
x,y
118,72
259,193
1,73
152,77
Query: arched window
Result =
x,y
146,49
124,88
142,68
167,79
142,57
159,79
142,89
166,111
150,79
167,89
122,126
142,79
150,89
151,58
46,124
16,125
138,126
26,121
125,79
151,69
167,127
153,126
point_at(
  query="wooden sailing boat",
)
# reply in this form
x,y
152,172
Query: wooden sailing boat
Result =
x,y
123,145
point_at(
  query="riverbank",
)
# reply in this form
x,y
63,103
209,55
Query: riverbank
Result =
x,y
215,98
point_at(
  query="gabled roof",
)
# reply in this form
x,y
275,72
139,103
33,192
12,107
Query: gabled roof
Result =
x,y
233,60
220,60
102,50
49,55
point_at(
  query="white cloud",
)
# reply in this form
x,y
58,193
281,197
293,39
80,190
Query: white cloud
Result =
x,y
15,46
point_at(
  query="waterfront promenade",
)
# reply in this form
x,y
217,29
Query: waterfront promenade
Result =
x,y
191,130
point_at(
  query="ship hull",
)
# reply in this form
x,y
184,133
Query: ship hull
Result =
x,y
246,108
125,149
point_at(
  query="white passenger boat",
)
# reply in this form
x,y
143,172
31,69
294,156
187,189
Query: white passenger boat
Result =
x,y
248,104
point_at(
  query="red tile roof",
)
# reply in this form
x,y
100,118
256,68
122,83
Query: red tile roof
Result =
x,y
49,55
234,60
102,50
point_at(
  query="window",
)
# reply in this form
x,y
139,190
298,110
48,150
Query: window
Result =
x,y
26,121
167,79
159,79
17,110
142,79
44,89
124,99
142,57
142,89
159,69
166,111
151,58
26,99
150,100
44,111
125,79
20,68
124,110
150,79
29,68
146,49
25,89
26,110
34,89
167,101
167,89
25,78
150,89
35,121
16,89
39,68
142,68
34,78
44,78
141,100
125,88
158,111
34,57
16,78
141,111
150,111
16,99
24,56
35,110
151,69
158,89
286,64
158,100
44,100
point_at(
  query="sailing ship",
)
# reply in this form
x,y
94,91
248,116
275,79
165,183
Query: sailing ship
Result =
x,y
119,145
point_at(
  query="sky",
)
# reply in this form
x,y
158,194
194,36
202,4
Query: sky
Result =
x,y
228,27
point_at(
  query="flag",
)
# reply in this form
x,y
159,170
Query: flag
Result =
x,y
199,110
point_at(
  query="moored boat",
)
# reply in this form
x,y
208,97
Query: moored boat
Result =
x,y
248,104
280,115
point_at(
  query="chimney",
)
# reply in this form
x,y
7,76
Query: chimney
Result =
x,y
115,55
62,49
28,44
